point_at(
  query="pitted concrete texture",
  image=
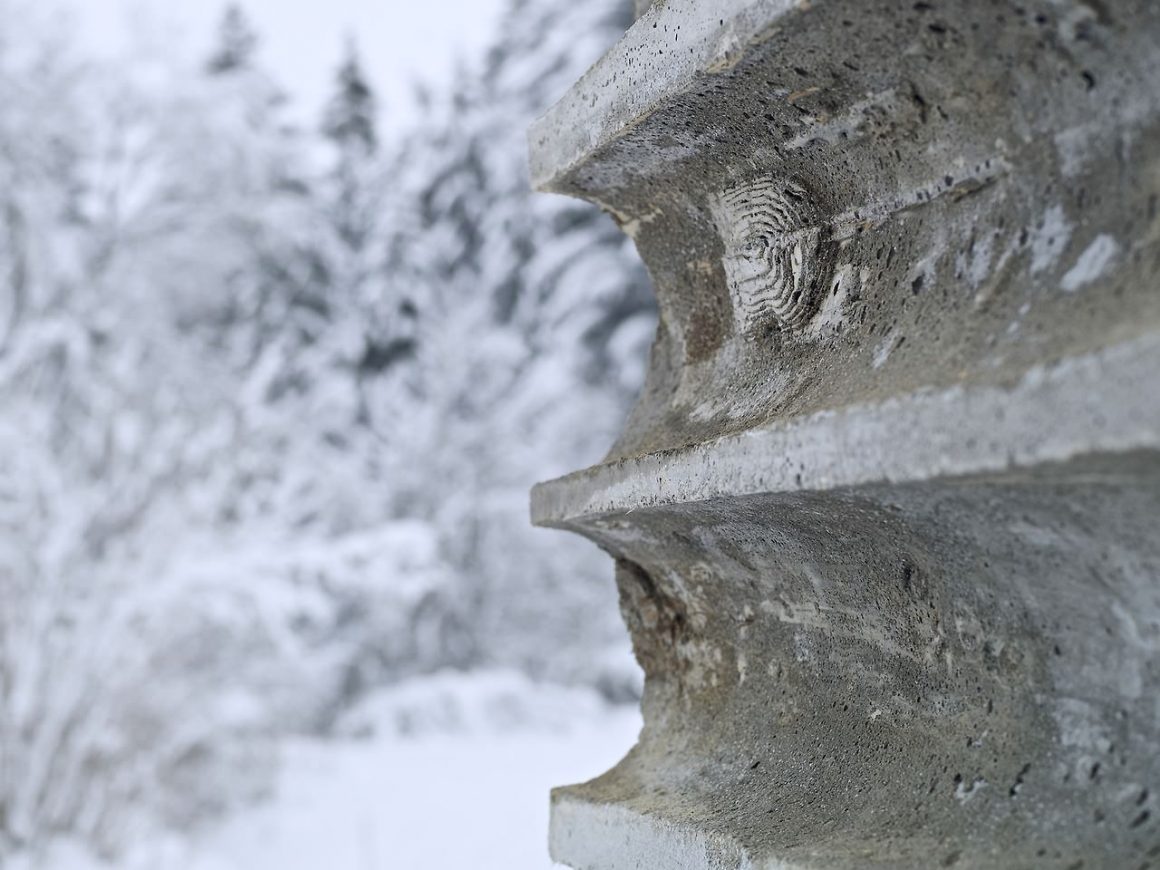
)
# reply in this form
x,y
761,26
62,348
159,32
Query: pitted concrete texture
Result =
x,y
893,675
983,178
887,516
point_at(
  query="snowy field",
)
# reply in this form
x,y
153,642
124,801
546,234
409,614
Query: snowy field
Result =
x,y
470,795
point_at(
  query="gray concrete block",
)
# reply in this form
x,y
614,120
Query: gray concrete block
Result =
x,y
887,516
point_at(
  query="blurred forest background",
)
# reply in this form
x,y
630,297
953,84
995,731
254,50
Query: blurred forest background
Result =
x,y
273,398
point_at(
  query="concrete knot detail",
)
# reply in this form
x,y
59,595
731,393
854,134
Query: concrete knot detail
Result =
x,y
774,254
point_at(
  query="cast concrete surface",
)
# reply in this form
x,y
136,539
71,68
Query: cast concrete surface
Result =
x,y
886,519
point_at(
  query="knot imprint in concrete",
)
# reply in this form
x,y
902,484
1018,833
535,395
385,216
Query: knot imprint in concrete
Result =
x,y
775,263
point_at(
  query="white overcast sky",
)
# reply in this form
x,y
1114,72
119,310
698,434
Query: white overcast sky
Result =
x,y
400,40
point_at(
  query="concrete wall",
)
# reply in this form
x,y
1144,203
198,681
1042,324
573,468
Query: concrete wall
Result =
x,y
887,517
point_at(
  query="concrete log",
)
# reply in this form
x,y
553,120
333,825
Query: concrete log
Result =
x,y
886,520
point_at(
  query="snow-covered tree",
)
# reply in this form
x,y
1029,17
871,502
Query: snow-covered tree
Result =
x,y
237,42
139,219
350,116
270,421
531,310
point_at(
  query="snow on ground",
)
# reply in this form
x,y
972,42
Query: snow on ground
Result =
x,y
441,802
469,791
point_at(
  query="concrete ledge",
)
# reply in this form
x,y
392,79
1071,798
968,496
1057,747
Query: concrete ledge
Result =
x,y
669,46
603,837
1102,403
